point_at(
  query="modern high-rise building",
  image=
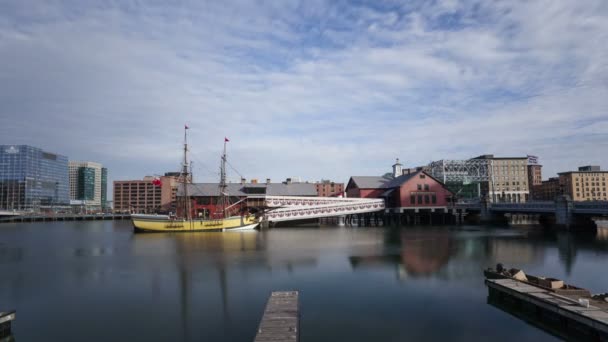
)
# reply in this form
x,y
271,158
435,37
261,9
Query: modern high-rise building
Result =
x,y
87,183
31,178
104,188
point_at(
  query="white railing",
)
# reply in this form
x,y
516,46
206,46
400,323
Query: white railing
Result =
x,y
299,201
288,208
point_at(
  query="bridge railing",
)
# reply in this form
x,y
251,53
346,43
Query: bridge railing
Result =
x,y
524,206
324,210
591,205
299,201
594,207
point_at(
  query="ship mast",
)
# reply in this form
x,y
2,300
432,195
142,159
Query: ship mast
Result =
x,y
223,185
184,176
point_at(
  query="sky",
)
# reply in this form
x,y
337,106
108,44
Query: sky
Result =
x,y
311,89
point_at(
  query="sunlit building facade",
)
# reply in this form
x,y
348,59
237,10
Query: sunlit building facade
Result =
x,y
87,185
585,185
508,179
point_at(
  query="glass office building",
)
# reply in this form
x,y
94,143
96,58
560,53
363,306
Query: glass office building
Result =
x,y
86,183
104,188
31,178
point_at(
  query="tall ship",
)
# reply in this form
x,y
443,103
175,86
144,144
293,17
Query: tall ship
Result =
x,y
184,220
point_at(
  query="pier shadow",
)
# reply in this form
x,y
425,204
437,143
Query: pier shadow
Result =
x,y
549,322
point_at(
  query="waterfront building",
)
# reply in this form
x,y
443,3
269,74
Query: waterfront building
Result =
x,y
548,190
104,188
584,185
205,196
327,188
589,168
168,190
137,196
414,190
31,178
535,178
88,184
508,179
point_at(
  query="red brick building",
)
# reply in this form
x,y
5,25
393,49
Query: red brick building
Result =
x,y
414,190
327,188
548,190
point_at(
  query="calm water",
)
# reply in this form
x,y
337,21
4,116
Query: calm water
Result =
x,y
97,281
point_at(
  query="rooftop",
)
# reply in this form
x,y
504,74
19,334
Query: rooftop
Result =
x,y
241,190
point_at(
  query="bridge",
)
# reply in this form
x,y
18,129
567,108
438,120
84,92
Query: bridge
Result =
x,y
291,208
565,211
589,208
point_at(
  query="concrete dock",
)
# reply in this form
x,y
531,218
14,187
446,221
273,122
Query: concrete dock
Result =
x,y
5,325
281,320
573,317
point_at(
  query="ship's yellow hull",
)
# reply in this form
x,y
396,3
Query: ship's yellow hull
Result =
x,y
163,223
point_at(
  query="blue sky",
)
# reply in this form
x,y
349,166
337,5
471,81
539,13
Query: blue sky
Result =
x,y
315,89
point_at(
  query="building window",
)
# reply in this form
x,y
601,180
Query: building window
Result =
x,y
427,200
426,187
434,199
419,199
419,186
412,199
422,176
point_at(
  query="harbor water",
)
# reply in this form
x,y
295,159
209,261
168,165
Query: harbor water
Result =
x,y
97,281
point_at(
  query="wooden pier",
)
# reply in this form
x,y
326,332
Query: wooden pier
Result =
x,y
5,325
586,319
281,320
63,217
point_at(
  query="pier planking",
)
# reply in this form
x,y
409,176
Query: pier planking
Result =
x,y
281,318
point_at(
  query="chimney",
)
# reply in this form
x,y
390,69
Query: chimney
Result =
x,y
243,180
288,181
267,180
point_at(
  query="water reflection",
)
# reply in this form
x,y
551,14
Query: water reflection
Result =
x,y
10,254
446,254
422,253
229,255
530,317
213,286
192,251
449,254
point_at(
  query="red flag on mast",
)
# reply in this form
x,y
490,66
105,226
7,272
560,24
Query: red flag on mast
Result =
x,y
226,139
157,182
186,127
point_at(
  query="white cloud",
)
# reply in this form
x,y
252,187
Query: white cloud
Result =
x,y
317,90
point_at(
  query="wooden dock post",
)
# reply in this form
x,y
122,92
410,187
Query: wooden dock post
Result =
x,y
281,320
5,323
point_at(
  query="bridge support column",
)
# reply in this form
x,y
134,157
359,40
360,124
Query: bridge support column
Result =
x,y
563,211
264,224
485,214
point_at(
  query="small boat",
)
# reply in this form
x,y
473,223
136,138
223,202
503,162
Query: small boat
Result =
x,y
550,284
186,222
